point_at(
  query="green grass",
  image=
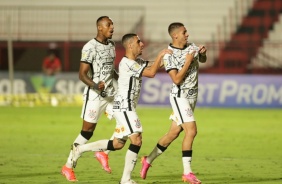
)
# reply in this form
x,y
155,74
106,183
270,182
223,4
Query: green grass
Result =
x,y
232,146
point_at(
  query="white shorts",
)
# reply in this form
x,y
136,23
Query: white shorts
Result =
x,y
127,123
92,109
183,110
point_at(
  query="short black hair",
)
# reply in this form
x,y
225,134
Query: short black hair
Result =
x,y
127,37
101,18
173,26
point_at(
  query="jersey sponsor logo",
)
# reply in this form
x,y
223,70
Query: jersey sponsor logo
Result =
x,y
116,105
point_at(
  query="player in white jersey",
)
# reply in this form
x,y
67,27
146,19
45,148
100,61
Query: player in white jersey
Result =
x,y
97,72
182,67
128,125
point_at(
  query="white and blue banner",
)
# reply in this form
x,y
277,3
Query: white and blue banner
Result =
x,y
250,91
257,91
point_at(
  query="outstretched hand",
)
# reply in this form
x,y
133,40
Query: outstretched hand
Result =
x,y
164,52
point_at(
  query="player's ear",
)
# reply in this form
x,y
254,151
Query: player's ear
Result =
x,y
99,28
174,35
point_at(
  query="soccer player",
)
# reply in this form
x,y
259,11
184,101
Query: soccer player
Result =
x,y
128,125
182,67
97,72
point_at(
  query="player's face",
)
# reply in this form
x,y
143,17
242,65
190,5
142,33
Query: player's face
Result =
x,y
107,27
138,46
182,35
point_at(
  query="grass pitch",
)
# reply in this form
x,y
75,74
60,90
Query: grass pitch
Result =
x,y
232,146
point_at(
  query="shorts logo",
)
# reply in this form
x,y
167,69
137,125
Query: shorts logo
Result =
x,y
189,112
137,123
92,114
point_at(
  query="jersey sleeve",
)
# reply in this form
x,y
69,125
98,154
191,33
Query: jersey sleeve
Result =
x,y
87,54
132,68
169,63
143,64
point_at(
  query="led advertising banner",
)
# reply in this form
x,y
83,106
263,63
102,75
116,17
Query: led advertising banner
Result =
x,y
259,91
256,91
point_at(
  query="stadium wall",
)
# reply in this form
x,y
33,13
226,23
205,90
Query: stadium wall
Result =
x,y
249,91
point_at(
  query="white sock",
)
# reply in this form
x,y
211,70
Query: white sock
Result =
x,y
153,155
187,164
130,162
80,140
101,145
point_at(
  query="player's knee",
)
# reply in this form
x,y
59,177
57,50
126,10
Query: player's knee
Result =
x,y
136,139
174,135
89,127
118,144
193,132
137,142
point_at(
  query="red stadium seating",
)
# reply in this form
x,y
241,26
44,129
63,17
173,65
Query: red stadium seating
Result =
x,y
244,43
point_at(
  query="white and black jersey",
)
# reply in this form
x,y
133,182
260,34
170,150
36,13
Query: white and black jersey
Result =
x,y
129,84
101,58
189,86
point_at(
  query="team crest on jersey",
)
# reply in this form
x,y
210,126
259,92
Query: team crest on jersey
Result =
x,y
137,123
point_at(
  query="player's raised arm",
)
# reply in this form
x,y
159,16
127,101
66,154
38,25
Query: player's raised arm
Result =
x,y
151,71
177,76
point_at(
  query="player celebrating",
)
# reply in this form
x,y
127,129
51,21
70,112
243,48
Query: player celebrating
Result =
x,y
182,67
97,72
128,124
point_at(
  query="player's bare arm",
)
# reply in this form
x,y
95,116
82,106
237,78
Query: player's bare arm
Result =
x,y
202,54
177,76
152,70
83,70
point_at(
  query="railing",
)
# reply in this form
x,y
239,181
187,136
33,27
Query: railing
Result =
x,y
47,23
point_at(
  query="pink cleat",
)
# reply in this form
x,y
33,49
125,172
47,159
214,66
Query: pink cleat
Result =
x,y
104,161
145,167
190,178
68,173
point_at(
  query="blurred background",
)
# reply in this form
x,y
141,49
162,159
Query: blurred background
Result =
x,y
243,38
